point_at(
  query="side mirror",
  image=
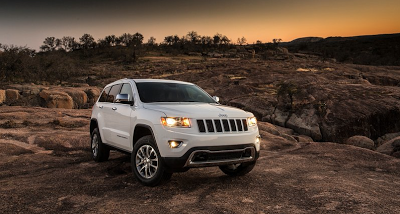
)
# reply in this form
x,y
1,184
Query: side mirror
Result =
x,y
123,98
216,98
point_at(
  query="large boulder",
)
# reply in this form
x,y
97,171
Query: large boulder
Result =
x,y
28,89
392,147
2,96
305,123
361,141
56,99
12,95
279,117
92,95
78,96
385,138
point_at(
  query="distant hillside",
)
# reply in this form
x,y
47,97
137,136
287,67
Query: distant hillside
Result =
x,y
368,50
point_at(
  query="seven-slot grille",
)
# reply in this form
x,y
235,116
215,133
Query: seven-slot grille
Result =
x,y
222,125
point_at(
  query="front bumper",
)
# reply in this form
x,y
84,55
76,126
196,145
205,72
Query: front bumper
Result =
x,y
191,140
212,156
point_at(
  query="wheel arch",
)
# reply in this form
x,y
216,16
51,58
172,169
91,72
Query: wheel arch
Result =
x,y
93,125
140,131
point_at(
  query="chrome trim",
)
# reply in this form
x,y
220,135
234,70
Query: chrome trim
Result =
x,y
190,163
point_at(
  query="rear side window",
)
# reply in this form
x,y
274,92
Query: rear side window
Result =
x,y
115,89
126,89
103,96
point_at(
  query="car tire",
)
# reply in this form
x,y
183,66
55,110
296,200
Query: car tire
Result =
x,y
147,165
237,169
100,151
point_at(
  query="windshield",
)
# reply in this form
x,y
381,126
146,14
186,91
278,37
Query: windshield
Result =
x,y
150,92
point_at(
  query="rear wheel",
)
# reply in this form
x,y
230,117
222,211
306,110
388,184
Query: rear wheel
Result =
x,y
100,152
147,164
237,169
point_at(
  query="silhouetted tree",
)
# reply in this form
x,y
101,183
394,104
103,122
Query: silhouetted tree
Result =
x,y
110,40
151,41
137,39
193,37
126,39
175,39
101,43
49,44
241,41
217,39
206,40
169,40
68,43
276,42
225,40
87,41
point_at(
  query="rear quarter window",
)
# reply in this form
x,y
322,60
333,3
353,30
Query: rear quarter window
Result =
x,y
103,96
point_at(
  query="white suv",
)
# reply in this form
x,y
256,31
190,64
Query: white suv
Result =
x,y
170,126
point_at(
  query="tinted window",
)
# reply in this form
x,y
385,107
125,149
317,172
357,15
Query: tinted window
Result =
x,y
103,96
171,92
126,89
113,93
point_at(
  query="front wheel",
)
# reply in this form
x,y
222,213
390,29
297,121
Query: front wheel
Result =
x,y
146,162
237,169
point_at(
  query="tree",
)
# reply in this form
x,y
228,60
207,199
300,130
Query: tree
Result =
x,y
137,39
241,41
102,43
17,63
276,42
126,39
87,41
169,40
206,40
175,39
151,41
193,37
49,44
225,40
217,39
68,43
59,67
110,40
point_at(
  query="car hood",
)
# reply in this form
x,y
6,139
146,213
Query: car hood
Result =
x,y
198,110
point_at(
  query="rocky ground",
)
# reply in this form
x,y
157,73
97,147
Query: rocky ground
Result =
x,y
45,167
322,99
302,102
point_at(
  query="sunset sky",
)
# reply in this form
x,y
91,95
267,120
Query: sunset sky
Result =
x,y
28,22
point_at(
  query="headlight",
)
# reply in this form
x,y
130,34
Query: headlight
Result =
x,y
176,122
252,121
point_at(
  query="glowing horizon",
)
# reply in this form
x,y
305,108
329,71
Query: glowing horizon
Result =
x,y
24,22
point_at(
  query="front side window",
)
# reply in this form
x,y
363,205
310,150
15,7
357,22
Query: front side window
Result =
x,y
113,93
126,89
150,92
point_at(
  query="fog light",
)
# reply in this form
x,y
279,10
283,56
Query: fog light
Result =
x,y
258,139
174,144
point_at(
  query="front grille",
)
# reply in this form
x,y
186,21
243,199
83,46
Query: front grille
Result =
x,y
222,125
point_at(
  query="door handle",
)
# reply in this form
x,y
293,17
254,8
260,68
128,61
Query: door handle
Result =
x,y
114,108
100,106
